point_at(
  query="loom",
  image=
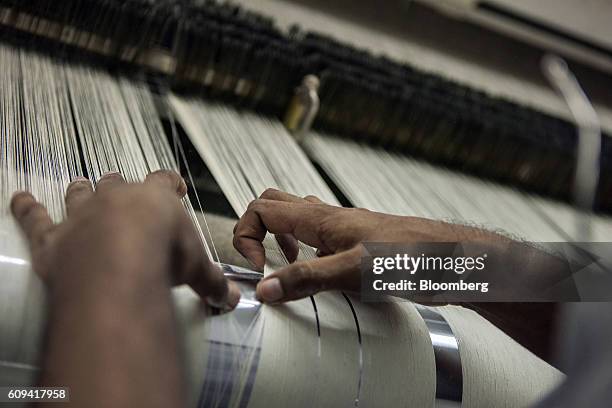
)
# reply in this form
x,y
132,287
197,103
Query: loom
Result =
x,y
201,87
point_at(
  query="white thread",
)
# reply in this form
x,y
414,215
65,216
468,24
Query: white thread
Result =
x,y
117,129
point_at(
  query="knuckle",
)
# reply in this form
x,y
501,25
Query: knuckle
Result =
x,y
237,242
240,242
305,280
304,274
339,228
123,205
269,193
111,201
256,205
326,226
251,205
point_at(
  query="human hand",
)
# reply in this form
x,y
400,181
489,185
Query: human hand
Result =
x,y
336,232
119,231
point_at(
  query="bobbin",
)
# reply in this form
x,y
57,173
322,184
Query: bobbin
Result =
x,y
449,376
234,342
228,347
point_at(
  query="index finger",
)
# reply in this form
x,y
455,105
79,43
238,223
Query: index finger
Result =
x,y
302,220
198,271
287,242
278,195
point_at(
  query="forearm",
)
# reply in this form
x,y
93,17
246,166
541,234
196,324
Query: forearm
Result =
x,y
536,271
111,339
511,263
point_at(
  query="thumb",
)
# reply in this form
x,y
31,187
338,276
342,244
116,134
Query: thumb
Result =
x,y
305,278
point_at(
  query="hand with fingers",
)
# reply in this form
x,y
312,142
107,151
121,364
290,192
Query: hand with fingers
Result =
x,y
132,228
337,233
109,266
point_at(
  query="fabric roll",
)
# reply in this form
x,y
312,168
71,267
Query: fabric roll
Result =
x,y
497,371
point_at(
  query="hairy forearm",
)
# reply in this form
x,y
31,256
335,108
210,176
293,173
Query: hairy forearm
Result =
x,y
531,324
533,268
111,338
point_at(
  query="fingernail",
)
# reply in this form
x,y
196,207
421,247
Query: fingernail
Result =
x,y
270,290
212,302
79,178
233,297
181,189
